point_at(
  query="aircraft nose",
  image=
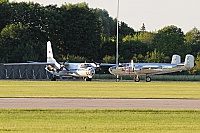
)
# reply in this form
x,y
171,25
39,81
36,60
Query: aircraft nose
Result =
x,y
111,69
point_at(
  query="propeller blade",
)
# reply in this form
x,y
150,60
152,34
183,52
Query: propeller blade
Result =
x,y
63,66
98,66
132,65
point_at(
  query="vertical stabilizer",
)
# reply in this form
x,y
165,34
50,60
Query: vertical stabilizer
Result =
x,y
176,59
49,50
189,61
50,58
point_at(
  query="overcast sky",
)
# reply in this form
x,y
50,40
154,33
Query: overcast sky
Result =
x,y
155,14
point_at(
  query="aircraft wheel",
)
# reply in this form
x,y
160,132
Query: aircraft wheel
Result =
x,y
148,79
53,78
88,79
137,78
117,78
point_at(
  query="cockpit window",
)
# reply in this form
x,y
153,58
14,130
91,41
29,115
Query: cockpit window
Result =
x,y
87,65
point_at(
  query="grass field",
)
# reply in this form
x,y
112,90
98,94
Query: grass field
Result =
x,y
66,89
70,121
153,77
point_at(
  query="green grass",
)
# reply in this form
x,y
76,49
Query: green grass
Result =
x,y
66,89
153,77
80,120
137,121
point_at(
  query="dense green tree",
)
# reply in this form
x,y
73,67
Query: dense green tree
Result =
x,y
107,24
4,13
108,28
136,45
81,31
108,48
131,47
196,68
138,58
145,37
192,38
156,57
32,16
16,45
170,40
75,59
125,30
109,59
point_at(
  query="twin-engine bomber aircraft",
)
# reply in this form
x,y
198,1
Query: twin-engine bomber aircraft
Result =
x,y
84,70
147,69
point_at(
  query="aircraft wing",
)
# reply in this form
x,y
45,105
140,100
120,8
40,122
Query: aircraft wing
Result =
x,y
65,63
28,63
106,64
151,66
98,65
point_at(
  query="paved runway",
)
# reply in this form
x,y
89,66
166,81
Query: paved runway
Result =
x,y
62,103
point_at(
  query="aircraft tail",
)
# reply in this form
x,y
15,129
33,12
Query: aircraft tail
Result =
x,y
176,59
189,61
50,58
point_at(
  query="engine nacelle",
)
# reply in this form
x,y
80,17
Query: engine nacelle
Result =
x,y
90,72
51,68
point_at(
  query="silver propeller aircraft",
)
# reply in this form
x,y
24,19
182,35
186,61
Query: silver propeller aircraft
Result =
x,y
85,70
147,69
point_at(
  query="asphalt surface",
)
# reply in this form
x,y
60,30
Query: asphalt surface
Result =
x,y
62,103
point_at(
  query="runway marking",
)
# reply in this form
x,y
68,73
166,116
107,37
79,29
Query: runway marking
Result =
x,y
61,103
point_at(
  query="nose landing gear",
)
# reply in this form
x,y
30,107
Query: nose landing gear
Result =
x,y
137,78
88,79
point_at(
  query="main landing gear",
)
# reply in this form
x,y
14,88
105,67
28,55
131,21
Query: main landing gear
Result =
x,y
137,78
147,78
53,78
88,79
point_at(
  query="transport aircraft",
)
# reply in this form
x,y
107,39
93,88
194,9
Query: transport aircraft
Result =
x,y
84,70
147,69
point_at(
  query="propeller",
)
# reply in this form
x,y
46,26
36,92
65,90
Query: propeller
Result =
x,y
63,66
132,65
98,68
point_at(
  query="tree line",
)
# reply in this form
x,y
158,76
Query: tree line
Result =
x,y
79,33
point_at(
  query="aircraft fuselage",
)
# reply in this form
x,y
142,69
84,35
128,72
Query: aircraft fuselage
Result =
x,y
149,69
